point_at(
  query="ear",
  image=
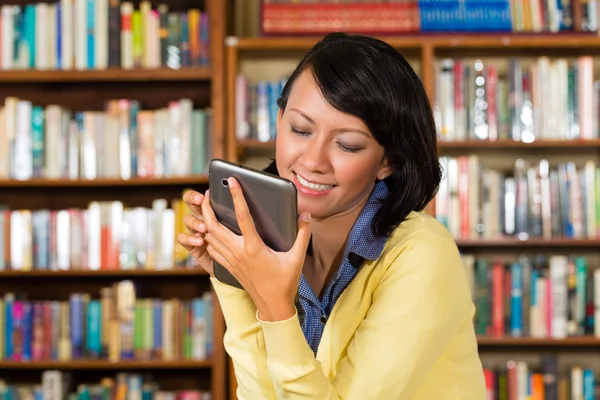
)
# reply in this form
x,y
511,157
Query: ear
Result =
x,y
384,171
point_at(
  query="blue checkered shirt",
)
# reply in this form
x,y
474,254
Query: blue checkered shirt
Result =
x,y
362,244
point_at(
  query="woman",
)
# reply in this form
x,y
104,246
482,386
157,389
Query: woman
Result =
x,y
383,307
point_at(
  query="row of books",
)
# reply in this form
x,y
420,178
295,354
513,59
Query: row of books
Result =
x,y
519,379
100,34
534,200
106,235
123,141
553,296
61,385
287,17
537,99
118,325
256,108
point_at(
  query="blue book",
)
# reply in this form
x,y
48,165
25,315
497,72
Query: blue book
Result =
x,y
91,27
9,299
94,329
516,300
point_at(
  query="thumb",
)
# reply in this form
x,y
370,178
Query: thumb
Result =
x,y
303,237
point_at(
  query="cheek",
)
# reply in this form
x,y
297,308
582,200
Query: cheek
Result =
x,y
354,172
285,152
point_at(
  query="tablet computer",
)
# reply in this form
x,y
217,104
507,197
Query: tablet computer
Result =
x,y
272,202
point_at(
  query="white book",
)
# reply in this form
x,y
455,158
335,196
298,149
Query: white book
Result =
x,y
74,139
63,240
7,36
23,156
101,34
52,385
17,238
576,383
53,118
522,380
558,266
167,330
175,138
41,36
10,121
67,36
185,132
93,234
52,24
88,147
161,133
168,239
126,37
80,34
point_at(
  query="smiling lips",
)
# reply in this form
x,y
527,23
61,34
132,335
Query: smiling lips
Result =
x,y
310,188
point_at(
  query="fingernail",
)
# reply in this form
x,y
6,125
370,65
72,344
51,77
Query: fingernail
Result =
x,y
199,241
306,217
197,199
230,181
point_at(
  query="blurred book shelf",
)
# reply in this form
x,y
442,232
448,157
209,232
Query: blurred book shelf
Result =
x,y
109,111
516,96
58,384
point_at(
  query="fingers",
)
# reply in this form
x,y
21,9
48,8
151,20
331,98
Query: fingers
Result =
x,y
242,213
196,246
220,248
193,199
303,236
212,224
194,224
189,241
220,259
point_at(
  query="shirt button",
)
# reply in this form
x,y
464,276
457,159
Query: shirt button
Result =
x,y
323,319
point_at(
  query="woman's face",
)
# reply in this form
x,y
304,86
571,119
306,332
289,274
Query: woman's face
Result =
x,y
331,157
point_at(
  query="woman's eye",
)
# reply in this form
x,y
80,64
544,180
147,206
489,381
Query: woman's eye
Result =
x,y
348,148
298,132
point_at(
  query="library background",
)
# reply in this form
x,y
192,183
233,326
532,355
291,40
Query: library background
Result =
x,y
111,109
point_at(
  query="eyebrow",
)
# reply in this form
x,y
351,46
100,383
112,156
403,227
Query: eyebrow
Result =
x,y
309,119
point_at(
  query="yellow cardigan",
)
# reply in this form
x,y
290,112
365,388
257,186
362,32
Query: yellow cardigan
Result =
x,y
402,329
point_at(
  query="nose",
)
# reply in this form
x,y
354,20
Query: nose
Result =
x,y
315,156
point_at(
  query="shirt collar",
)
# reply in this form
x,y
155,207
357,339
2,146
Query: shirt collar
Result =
x,y
362,241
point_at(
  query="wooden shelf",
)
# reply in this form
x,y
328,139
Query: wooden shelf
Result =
x,y
106,182
106,365
435,40
510,144
116,273
534,242
578,341
107,75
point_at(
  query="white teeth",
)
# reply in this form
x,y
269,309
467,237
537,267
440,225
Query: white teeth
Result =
x,y
315,186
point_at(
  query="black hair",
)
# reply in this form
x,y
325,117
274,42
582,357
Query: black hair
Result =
x,y
369,79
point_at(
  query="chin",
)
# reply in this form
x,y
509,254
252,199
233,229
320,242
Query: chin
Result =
x,y
314,209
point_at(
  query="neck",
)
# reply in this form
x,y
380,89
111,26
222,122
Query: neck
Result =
x,y
329,237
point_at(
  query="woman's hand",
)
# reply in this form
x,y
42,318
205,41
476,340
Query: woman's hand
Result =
x,y
194,241
269,277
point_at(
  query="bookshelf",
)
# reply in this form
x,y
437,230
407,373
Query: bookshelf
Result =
x,y
155,85
271,58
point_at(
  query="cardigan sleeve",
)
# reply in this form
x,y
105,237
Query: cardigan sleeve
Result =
x,y
419,304
244,342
